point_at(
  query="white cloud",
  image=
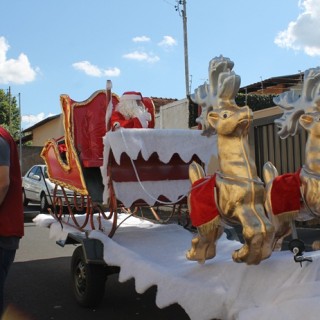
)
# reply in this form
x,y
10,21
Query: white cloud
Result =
x,y
31,119
95,71
167,42
15,71
303,33
112,72
141,56
141,39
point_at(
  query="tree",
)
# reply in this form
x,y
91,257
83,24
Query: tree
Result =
x,y
9,113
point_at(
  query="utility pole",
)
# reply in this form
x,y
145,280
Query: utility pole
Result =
x,y
20,135
9,109
185,40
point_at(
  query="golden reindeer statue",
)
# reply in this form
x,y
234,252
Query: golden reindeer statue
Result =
x,y
234,194
301,199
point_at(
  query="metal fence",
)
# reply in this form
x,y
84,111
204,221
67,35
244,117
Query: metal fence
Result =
x,y
287,155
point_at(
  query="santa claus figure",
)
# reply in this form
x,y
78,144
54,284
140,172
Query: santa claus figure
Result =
x,y
133,111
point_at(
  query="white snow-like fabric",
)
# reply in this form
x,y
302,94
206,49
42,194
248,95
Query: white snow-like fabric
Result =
x,y
173,190
165,143
278,288
185,143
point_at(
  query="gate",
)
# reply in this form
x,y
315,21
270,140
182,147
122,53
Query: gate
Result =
x,y
287,155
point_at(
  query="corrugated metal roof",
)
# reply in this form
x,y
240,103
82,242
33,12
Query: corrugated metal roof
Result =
x,y
287,82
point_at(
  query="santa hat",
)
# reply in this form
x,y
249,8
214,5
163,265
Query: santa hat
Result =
x,y
131,95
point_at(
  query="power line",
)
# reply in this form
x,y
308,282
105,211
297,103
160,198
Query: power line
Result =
x,y
171,4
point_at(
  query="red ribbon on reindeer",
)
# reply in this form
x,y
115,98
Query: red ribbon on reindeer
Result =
x,y
285,194
202,201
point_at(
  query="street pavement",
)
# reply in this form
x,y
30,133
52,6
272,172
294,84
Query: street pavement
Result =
x,y
38,287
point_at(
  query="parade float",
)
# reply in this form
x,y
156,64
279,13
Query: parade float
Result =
x,y
117,172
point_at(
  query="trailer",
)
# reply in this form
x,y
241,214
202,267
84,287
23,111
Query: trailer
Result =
x,y
124,177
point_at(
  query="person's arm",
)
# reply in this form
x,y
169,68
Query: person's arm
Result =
x,y
118,120
4,169
4,182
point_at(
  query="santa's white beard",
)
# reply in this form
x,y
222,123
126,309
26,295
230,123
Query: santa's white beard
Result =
x,y
130,109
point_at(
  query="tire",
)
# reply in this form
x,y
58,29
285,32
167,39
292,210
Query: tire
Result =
x,y
43,203
24,199
88,280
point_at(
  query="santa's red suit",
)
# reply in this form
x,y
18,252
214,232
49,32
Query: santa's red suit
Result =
x,y
133,111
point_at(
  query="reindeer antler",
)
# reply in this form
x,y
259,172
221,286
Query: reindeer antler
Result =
x,y
221,90
297,101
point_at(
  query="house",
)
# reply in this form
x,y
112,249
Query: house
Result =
x,y
272,86
43,130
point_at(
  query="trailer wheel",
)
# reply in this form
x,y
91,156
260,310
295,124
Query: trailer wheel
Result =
x,y
88,280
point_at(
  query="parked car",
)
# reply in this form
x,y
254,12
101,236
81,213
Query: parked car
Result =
x,y
37,188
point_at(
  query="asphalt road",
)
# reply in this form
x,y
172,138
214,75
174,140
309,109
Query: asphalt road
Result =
x,y
38,286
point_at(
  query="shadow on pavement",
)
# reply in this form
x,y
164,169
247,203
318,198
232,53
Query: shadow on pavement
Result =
x,y
41,290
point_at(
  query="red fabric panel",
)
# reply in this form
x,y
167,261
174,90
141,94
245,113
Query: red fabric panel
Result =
x,y
151,169
203,206
285,193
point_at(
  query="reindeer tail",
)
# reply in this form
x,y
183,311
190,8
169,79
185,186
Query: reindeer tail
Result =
x,y
269,172
196,172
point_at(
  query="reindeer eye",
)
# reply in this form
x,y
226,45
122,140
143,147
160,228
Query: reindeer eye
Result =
x,y
225,114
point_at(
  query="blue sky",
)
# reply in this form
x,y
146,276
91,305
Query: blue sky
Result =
x,y
48,48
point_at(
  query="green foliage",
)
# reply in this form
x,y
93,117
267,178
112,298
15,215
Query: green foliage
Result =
x,y
193,113
9,113
254,101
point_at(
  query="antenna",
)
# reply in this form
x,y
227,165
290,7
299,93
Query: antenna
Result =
x,y
300,78
261,84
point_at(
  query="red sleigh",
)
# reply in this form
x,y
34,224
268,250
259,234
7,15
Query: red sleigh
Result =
x,y
128,168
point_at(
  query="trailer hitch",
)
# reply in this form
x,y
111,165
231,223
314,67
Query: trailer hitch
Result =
x,y
297,247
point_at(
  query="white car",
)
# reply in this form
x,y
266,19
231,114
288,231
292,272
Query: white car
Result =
x,y
37,188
